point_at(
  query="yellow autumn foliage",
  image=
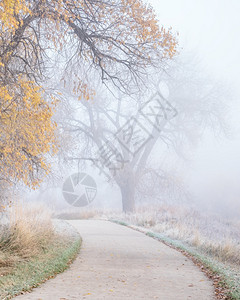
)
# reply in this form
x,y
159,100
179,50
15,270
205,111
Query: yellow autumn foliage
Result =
x,y
10,10
107,33
26,132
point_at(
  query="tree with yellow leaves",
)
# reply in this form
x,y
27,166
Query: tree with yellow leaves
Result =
x,y
118,38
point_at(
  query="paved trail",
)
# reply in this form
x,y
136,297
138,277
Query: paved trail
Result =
x,y
116,262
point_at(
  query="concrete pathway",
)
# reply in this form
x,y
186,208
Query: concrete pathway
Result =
x,y
116,262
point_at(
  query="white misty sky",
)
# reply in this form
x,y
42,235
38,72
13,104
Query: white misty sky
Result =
x,y
210,28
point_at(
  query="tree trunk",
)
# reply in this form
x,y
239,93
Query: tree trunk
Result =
x,y
127,187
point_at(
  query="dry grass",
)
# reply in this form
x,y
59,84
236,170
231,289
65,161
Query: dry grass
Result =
x,y
214,240
33,248
28,232
210,233
78,214
211,239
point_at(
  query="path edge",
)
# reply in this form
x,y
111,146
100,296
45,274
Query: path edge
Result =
x,y
222,288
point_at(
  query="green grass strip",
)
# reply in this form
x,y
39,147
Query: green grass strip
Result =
x,y
32,273
227,278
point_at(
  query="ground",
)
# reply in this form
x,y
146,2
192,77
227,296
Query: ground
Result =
x,y
116,262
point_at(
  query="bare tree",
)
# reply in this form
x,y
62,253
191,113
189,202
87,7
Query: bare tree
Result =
x,y
118,40
120,136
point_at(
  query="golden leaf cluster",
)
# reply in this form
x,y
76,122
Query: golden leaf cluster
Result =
x,y
26,132
106,32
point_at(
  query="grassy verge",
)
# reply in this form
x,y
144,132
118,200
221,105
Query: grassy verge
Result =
x,y
32,251
29,274
225,278
210,240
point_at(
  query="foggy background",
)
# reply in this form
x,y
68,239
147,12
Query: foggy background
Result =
x,y
210,30
210,169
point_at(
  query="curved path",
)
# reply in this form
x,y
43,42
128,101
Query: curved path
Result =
x,y
116,262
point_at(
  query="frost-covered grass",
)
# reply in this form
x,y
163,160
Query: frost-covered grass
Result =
x,y
32,248
211,238
77,213
28,230
211,234
226,277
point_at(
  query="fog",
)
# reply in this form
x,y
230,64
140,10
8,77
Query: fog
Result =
x,y
120,149
210,29
200,162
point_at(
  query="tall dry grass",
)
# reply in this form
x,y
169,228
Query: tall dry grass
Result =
x,y
26,233
77,213
212,234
